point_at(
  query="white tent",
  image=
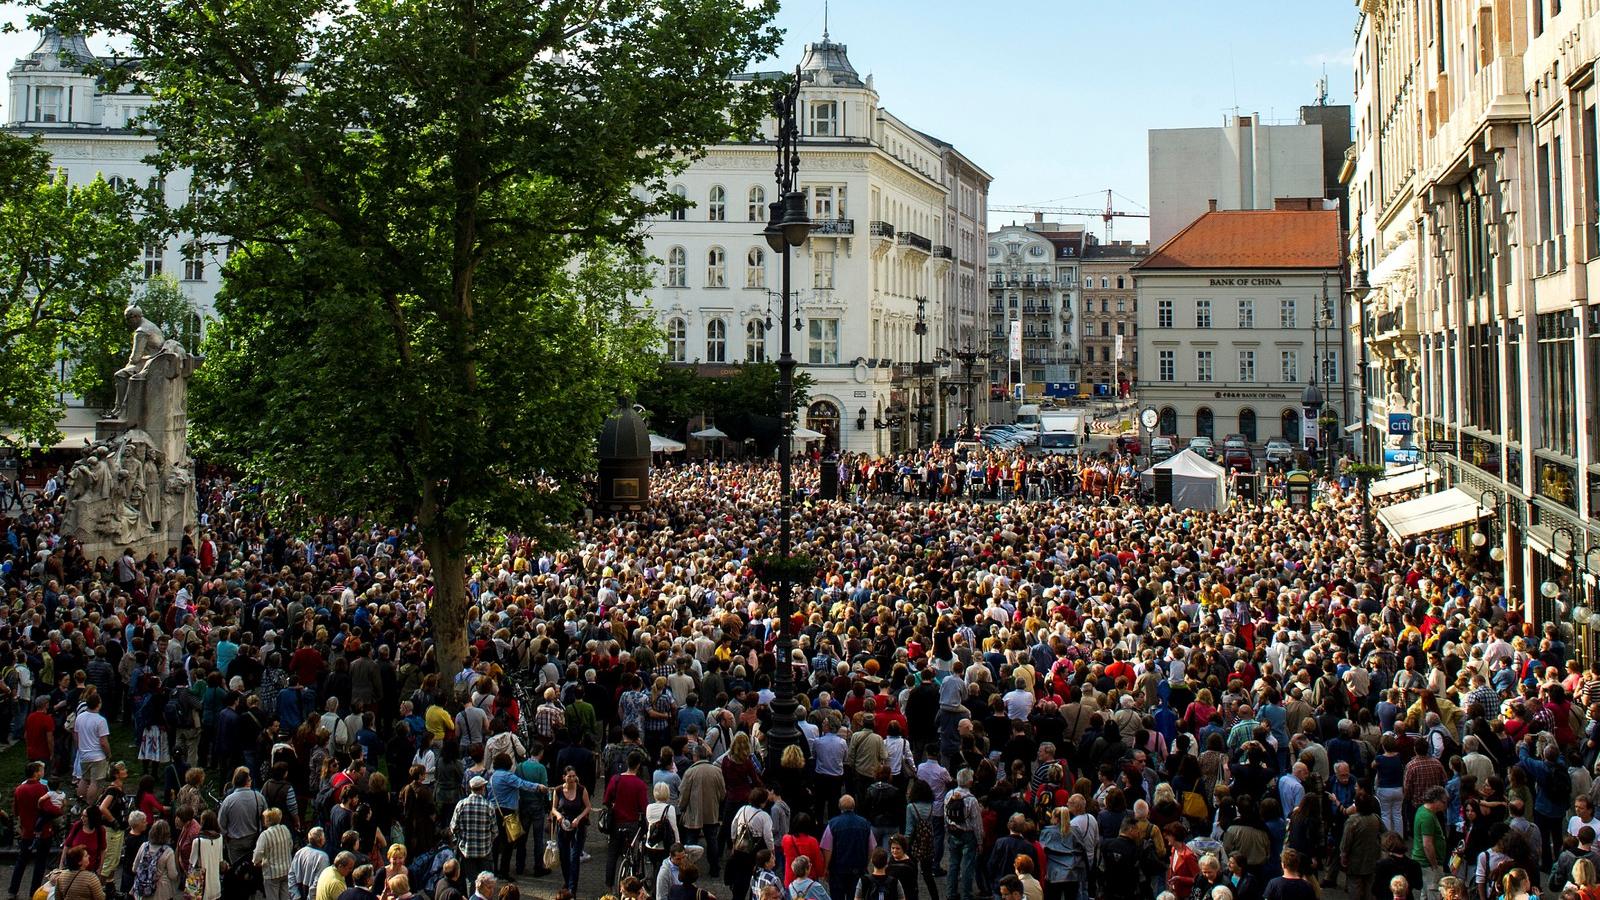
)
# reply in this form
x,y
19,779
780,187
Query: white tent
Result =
x,y
659,444
1197,482
709,434
806,434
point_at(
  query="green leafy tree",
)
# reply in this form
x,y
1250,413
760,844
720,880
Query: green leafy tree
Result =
x,y
436,209
163,302
66,258
673,393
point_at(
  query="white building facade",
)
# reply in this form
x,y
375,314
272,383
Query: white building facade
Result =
x,y
1236,317
90,132
1244,164
886,200
1033,280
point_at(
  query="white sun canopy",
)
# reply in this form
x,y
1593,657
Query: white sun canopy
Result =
x,y
1449,508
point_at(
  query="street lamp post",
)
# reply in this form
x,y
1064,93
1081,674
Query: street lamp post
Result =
x,y
787,228
1550,590
968,358
921,330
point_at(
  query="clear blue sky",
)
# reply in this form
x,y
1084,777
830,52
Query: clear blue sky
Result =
x,y
1054,97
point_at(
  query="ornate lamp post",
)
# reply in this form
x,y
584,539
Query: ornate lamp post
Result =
x,y
968,357
787,228
921,330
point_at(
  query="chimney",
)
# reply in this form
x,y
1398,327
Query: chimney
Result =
x,y
1213,205
1299,204
1038,218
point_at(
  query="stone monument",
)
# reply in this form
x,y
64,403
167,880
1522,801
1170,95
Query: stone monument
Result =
x,y
134,488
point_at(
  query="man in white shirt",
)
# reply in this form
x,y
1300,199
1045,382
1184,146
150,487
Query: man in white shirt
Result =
x,y
1019,702
93,762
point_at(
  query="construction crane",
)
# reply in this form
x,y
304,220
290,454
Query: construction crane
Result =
x,y
1106,215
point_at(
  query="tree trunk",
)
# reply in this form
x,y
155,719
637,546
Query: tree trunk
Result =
x,y
448,611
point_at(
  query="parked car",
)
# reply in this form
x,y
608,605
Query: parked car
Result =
x,y
1203,446
1236,455
1280,452
1161,448
1129,443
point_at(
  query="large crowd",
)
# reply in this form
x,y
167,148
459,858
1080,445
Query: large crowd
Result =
x,y
1050,694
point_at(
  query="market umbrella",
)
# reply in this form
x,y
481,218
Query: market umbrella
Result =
x,y
710,434
659,444
806,434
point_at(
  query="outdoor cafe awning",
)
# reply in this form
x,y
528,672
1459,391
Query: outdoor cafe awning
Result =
x,y
1409,480
659,444
1449,508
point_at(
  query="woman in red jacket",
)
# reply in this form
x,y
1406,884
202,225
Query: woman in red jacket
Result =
x,y
801,842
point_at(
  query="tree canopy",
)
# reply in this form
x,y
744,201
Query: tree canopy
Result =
x,y
436,209
66,266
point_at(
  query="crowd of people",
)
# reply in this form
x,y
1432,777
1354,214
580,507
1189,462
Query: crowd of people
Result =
x,y
1067,698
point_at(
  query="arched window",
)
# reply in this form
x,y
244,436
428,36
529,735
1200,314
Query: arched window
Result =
x,y
1204,422
677,268
1291,426
717,207
755,340
1247,424
758,204
823,418
716,341
677,340
1169,420
716,268
755,268
681,212
1105,282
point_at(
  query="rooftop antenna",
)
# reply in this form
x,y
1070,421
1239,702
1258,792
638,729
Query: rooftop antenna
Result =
x,y
824,21
1322,87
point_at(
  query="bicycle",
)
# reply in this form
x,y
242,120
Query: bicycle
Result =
x,y
633,862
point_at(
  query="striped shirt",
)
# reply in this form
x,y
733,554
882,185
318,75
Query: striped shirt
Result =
x,y
308,863
273,851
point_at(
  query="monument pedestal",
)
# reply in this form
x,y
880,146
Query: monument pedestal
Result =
x,y
135,487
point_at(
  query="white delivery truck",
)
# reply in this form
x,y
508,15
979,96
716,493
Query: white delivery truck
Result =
x,y
1063,433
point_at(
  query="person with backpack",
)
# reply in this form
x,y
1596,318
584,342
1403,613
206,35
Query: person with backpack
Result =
x,y
803,886
660,825
1127,864
878,884
963,830
156,874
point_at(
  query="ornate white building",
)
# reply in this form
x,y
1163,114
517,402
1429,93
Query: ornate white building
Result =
x,y
1033,279
899,219
89,131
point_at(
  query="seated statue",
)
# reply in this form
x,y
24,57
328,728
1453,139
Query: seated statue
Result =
x,y
148,342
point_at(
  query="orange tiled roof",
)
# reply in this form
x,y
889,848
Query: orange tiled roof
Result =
x,y
1253,239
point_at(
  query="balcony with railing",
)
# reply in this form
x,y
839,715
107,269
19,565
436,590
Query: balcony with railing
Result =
x,y
915,241
880,229
940,251
834,227
1037,309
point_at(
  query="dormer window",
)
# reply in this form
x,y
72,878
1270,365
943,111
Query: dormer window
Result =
x,y
47,105
825,118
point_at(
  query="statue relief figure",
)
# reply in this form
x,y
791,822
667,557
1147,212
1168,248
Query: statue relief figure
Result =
x,y
147,343
82,487
150,477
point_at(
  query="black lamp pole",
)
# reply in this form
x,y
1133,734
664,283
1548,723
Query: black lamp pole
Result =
x,y
968,357
921,330
787,228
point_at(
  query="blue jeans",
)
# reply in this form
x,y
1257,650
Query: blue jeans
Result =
x,y
962,880
569,846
